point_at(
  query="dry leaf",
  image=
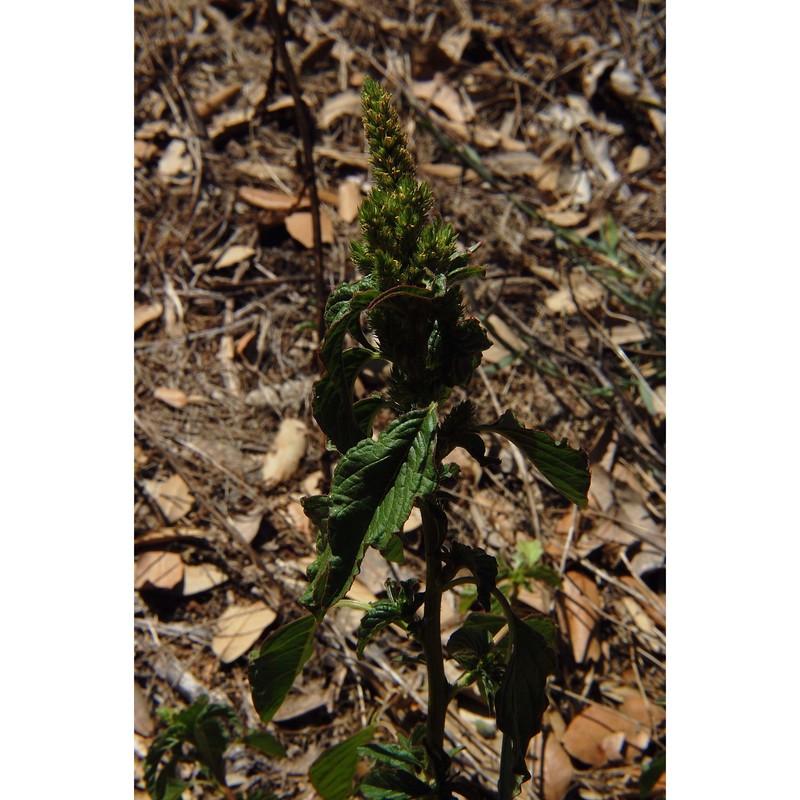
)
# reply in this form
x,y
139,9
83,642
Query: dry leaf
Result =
x,y
640,708
172,397
238,629
286,453
640,158
595,733
229,122
349,199
201,577
247,525
453,42
581,595
158,569
235,255
175,161
589,293
144,314
557,771
271,201
300,227
143,721
566,219
216,99
601,492
173,496
297,704
445,98
502,337
345,104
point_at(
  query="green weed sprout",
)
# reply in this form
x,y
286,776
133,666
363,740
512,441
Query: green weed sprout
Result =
x,y
407,308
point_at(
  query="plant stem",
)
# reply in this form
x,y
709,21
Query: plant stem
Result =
x,y
433,526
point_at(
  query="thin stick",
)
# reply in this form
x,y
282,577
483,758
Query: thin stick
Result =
x,y
305,126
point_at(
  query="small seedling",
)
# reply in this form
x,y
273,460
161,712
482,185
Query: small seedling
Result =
x,y
407,308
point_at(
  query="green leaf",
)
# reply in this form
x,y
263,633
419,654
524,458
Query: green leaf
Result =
x,y
373,491
651,773
393,755
564,466
278,663
266,743
400,607
392,783
521,702
333,772
482,566
468,645
333,398
201,726
333,393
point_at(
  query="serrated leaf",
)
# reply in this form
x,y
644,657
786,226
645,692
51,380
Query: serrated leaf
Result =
x,y
469,645
316,508
373,491
393,783
278,663
333,772
521,702
333,398
201,726
482,566
400,607
394,755
266,743
333,393
564,466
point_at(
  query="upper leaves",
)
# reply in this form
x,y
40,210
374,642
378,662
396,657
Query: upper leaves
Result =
x,y
373,491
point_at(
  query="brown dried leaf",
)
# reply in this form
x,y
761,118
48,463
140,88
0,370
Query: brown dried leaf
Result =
x,y
173,496
144,722
238,629
588,292
271,201
201,577
172,397
639,158
158,569
247,525
286,453
453,42
566,219
235,255
345,104
230,121
216,99
593,735
300,227
298,703
580,595
445,98
640,708
349,199
147,313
